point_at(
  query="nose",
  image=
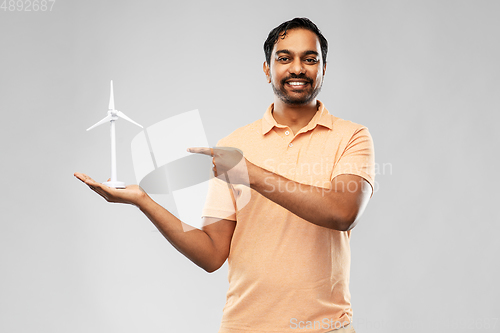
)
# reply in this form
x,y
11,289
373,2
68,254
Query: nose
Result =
x,y
296,67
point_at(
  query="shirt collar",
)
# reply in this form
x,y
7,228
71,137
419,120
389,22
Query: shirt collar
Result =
x,y
322,117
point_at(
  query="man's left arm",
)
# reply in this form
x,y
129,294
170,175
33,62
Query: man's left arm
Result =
x,y
338,207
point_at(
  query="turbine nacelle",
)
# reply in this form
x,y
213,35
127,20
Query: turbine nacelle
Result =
x,y
112,113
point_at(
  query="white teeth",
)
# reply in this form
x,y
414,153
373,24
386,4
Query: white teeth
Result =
x,y
296,83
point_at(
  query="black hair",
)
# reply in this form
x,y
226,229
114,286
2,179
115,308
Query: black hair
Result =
x,y
281,30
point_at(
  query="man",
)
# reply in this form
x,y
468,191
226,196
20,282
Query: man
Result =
x,y
283,202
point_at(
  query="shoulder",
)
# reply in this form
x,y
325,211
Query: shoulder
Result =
x,y
340,126
347,126
348,130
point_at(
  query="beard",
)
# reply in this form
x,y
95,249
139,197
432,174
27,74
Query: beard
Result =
x,y
307,96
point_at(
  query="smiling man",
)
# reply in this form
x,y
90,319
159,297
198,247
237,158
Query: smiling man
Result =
x,y
289,189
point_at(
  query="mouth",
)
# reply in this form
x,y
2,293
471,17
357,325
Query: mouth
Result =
x,y
297,84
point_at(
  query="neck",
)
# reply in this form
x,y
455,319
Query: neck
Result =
x,y
294,116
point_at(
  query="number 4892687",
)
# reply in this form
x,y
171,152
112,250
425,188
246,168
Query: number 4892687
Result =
x,y
27,5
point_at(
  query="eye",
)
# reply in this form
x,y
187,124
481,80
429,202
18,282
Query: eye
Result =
x,y
282,59
312,60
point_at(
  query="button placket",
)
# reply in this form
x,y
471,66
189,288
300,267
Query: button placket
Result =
x,y
288,138
291,137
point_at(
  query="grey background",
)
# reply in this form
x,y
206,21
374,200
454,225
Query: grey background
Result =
x,y
422,75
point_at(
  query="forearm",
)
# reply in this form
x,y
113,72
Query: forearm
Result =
x,y
320,206
195,244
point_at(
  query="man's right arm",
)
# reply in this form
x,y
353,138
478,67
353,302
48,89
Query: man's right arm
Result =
x,y
207,248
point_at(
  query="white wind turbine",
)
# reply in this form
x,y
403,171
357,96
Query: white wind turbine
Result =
x,y
112,117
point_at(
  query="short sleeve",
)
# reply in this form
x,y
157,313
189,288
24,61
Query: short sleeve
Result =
x,y
358,157
220,202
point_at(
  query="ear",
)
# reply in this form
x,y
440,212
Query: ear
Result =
x,y
265,68
324,69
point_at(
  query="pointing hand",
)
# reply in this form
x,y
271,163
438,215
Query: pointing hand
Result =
x,y
229,163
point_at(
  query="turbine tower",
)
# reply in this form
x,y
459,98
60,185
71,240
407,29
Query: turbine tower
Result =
x,y
112,117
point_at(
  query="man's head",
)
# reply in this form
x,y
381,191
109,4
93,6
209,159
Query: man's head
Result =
x,y
297,23
296,61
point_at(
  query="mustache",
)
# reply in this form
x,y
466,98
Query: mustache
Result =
x,y
295,76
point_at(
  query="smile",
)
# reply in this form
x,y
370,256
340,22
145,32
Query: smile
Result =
x,y
297,83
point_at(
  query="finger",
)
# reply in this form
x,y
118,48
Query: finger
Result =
x,y
101,192
86,179
104,191
81,176
201,150
89,181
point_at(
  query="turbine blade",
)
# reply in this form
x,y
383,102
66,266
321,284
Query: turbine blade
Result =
x,y
100,122
122,115
111,98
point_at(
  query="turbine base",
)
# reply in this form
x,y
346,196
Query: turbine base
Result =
x,y
115,184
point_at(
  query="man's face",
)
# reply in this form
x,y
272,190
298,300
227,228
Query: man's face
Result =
x,y
297,68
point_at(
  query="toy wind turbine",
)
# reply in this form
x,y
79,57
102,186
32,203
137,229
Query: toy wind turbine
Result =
x,y
112,117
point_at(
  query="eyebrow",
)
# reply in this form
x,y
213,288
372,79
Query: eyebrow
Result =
x,y
305,53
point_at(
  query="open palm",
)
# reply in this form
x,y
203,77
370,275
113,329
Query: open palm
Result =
x,y
132,194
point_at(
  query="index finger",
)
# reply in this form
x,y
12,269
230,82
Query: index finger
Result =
x,y
201,150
